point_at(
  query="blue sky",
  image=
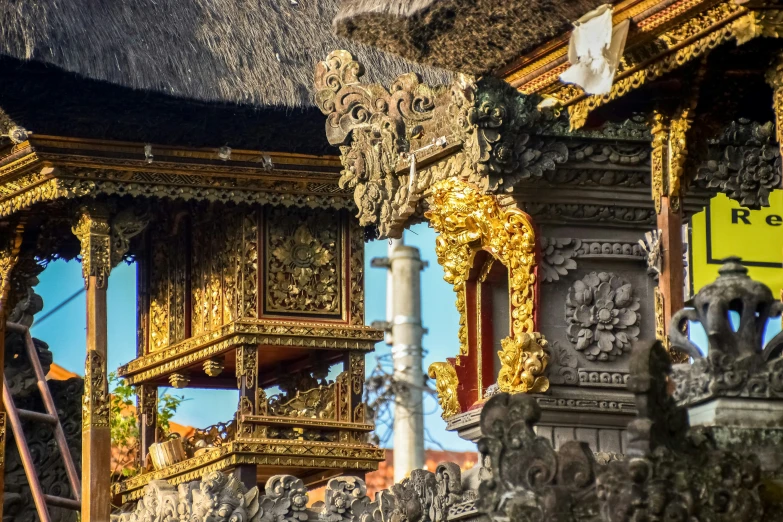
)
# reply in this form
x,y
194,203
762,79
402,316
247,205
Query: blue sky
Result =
x,y
65,331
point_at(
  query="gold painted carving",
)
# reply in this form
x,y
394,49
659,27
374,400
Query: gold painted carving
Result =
x,y
678,155
660,133
523,361
669,155
247,365
468,221
446,384
224,263
357,373
660,331
148,404
303,262
676,47
315,403
356,269
93,231
343,397
317,336
213,367
289,453
775,80
9,255
167,285
179,380
95,401
104,243
2,440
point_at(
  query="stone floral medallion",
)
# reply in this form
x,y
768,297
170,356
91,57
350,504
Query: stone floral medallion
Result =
x,y
602,316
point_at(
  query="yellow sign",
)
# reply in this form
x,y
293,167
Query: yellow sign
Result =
x,y
726,229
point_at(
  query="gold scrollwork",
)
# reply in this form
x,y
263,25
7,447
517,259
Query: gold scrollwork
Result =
x,y
523,361
356,269
93,231
468,221
303,262
690,40
105,242
446,383
2,440
148,403
775,80
9,255
357,373
95,401
660,134
247,363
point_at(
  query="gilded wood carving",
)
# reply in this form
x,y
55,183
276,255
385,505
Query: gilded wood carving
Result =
x,y
303,262
95,402
468,221
446,384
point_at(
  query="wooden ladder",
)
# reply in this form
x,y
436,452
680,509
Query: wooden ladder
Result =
x,y
50,417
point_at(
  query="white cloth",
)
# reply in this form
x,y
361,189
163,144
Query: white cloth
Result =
x,y
595,50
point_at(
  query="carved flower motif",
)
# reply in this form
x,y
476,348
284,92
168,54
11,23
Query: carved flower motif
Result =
x,y
602,316
302,266
746,174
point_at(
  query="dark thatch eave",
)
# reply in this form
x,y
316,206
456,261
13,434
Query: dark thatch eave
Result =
x,y
47,100
470,36
254,52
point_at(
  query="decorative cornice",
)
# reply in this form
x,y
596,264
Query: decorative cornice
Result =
x,y
288,453
678,40
323,336
50,168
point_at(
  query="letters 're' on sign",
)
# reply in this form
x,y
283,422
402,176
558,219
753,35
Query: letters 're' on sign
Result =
x,y
726,229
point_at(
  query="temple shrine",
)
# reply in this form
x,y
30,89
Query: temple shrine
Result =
x,y
558,149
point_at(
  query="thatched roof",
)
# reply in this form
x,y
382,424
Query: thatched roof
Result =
x,y
472,36
256,52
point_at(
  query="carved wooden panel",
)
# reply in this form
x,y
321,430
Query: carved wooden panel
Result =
x,y
204,268
303,262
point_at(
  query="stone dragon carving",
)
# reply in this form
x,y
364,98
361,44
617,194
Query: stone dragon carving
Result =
x,y
220,498
386,134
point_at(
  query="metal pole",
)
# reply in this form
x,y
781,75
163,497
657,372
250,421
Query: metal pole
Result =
x,y
406,336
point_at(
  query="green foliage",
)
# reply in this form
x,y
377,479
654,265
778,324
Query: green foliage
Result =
x,y
124,423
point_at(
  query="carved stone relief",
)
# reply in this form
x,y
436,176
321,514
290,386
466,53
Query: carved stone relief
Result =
x,y
744,163
601,314
559,254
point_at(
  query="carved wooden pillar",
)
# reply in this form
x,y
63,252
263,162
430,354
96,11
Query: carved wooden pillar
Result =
x,y
9,255
93,231
249,395
352,386
147,406
103,244
669,153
